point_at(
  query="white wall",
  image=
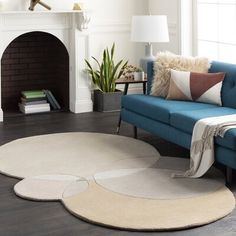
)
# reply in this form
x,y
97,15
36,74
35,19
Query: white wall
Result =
x,y
111,23
171,8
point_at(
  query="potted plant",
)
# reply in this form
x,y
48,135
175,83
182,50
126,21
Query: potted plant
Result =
x,y
104,76
138,74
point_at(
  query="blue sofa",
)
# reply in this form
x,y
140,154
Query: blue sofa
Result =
x,y
174,120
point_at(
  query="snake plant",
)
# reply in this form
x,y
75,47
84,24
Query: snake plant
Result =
x,y
107,72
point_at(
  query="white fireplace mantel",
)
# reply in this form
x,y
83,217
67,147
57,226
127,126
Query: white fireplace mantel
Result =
x,y
70,28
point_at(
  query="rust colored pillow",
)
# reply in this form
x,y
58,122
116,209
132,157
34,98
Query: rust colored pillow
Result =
x,y
199,87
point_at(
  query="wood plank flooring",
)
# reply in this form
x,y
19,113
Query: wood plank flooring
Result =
x,y
19,217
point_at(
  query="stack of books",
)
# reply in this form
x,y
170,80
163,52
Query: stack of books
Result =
x,y
36,101
33,101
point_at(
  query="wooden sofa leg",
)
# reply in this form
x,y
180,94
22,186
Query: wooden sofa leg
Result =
x,y
229,176
118,126
135,132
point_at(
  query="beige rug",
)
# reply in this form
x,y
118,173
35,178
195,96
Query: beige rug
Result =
x,y
114,181
105,207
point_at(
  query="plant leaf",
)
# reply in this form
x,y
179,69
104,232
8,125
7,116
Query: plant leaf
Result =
x,y
88,64
96,61
107,73
122,69
112,51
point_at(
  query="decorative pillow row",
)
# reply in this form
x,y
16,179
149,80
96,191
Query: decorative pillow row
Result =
x,y
192,86
167,61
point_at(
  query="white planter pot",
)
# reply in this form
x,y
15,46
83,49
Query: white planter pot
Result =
x,y
138,76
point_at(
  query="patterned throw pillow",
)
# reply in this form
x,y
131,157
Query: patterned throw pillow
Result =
x,y
199,87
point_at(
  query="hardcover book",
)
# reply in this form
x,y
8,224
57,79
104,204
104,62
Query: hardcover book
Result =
x,y
52,100
33,94
34,108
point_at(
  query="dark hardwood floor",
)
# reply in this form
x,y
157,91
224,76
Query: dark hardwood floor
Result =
x,y
20,217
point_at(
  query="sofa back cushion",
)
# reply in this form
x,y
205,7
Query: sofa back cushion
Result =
x,y
228,92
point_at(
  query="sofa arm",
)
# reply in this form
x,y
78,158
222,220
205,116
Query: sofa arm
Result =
x,y
150,76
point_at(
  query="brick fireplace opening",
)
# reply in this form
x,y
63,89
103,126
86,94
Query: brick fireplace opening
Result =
x,y
32,61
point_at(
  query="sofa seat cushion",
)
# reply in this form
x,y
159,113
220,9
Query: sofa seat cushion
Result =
x,y
158,108
185,121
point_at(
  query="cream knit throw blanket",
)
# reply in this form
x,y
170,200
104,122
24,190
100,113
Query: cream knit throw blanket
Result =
x,y
202,147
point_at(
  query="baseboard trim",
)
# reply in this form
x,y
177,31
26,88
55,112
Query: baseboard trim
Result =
x,y
1,115
81,106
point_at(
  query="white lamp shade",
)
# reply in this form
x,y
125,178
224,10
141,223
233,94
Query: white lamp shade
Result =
x,y
149,29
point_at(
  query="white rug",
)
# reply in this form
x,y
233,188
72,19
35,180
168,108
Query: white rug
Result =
x,y
156,183
114,181
79,154
50,187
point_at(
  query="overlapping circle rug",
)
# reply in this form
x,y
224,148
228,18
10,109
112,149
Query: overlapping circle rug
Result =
x,y
114,181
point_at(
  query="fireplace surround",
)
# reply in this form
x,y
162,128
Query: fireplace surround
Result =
x,y
67,27
34,61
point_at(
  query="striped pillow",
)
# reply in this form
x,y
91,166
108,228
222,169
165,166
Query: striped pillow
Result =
x,y
199,87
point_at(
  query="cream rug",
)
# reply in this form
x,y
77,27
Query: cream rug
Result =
x,y
156,183
50,187
114,181
79,154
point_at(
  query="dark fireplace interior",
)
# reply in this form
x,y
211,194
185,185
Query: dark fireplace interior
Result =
x,y
34,61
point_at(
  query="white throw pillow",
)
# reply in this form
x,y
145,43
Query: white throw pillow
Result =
x,y
167,61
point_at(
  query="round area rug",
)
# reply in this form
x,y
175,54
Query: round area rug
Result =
x,y
114,181
79,154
